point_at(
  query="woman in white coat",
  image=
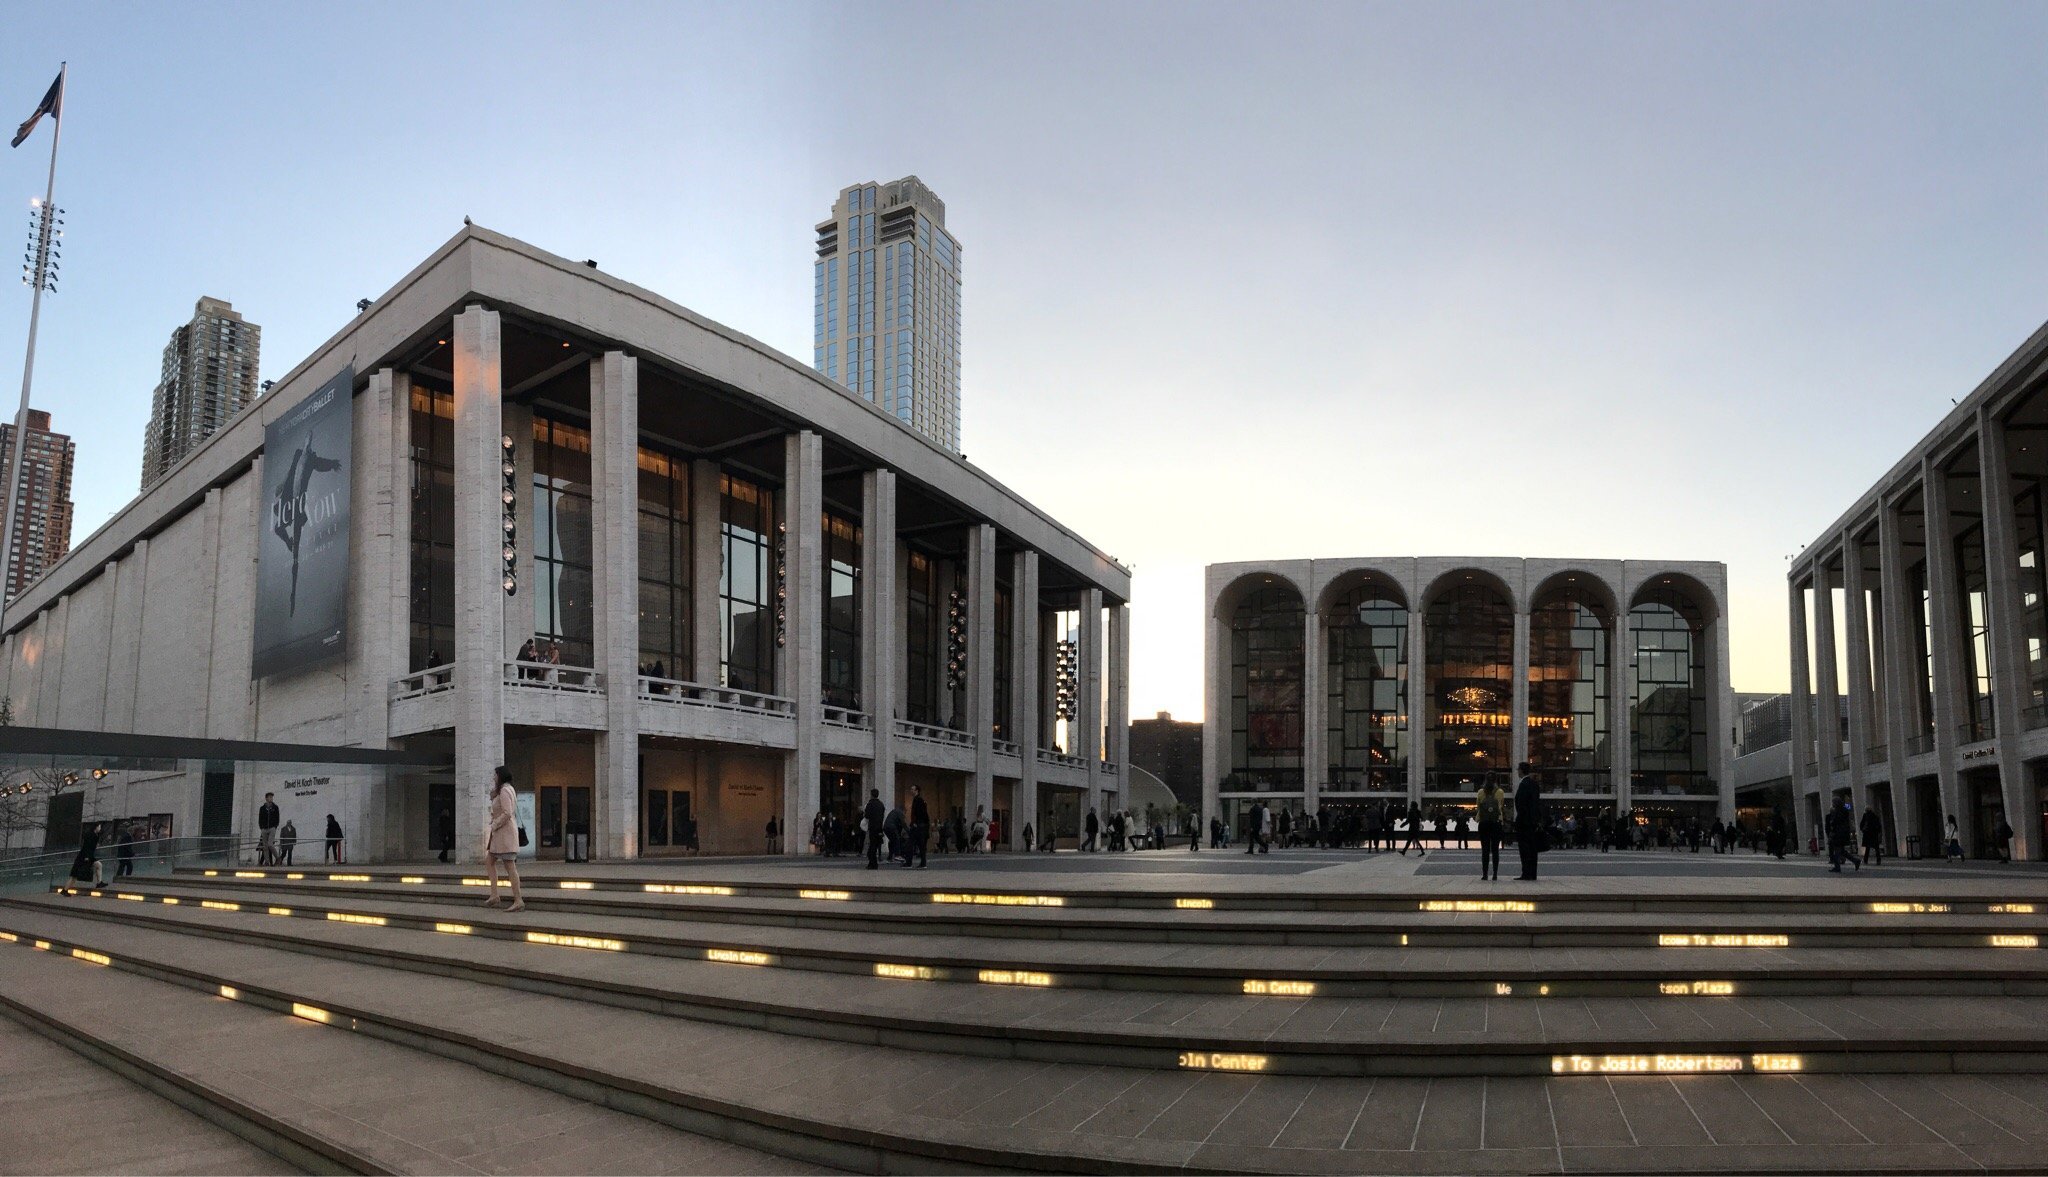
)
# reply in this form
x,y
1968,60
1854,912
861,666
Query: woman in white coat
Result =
x,y
502,843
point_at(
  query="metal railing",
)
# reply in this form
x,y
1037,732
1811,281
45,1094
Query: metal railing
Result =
x,y
2035,716
932,734
1977,732
690,694
1920,745
1876,753
548,676
432,680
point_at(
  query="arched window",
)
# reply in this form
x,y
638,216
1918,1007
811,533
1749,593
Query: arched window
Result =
x,y
1470,638
1368,691
1667,691
1265,687
1568,704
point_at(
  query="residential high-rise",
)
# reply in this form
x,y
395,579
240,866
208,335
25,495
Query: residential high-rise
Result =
x,y
209,375
42,509
887,320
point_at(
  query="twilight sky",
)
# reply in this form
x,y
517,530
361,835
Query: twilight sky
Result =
x,y
1258,281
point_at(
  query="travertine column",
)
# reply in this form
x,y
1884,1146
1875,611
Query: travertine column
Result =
x,y
1621,738
1901,693
1120,699
615,535
1315,705
480,606
981,666
1518,719
380,633
1025,644
1215,713
1802,701
1859,669
1420,702
1827,718
1944,607
1088,740
881,641
707,563
2012,688
801,673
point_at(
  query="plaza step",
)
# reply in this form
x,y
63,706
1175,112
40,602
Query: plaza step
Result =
x,y
895,1107
1260,969
333,1103
1418,924
1026,1015
89,1118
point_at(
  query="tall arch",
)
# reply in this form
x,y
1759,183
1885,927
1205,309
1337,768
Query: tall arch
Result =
x,y
1670,695
1571,709
1469,659
1366,684
1267,670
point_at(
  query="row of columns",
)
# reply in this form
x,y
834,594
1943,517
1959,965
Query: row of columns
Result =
x,y
1885,676
488,624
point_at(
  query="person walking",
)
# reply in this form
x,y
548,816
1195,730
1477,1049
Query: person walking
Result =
x,y
2001,837
1873,835
1414,832
1530,821
502,837
871,823
288,837
1952,840
1092,827
333,848
1841,833
1493,806
85,867
124,851
266,831
920,826
1372,828
447,833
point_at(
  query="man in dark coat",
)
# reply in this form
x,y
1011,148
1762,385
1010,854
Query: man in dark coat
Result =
x,y
1841,831
920,825
874,814
1873,835
1530,820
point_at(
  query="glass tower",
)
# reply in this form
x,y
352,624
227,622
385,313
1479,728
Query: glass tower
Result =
x,y
886,324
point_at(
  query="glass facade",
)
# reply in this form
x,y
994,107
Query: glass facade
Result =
x,y
2033,559
1469,634
1568,677
1667,690
432,592
563,580
664,540
746,586
1368,692
1005,720
921,639
1266,689
841,587
1973,616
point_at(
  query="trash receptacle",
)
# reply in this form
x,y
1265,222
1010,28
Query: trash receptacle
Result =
x,y
1912,845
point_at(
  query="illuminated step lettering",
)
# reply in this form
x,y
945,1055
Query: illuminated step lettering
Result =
x,y
130,895
982,900
1194,904
1646,1064
348,878
348,917
575,885
295,876
219,905
1910,908
563,941
685,889
904,972
231,993
1209,1060
454,929
412,878
280,911
1479,906
10,937
810,893
1696,988
474,882
2015,941
1722,940
171,900
251,874
737,956
2011,909
1013,977
1280,988
311,1013
97,958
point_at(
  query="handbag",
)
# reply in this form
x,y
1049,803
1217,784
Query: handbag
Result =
x,y
522,835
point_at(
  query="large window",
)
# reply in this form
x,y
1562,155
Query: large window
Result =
x,y
432,593
842,612
1265,689
1005,724
1922,601
664,566
1368,692
746,586
2033,589
1668,695
1469,637
1972,606
921,640
1568,692
563,585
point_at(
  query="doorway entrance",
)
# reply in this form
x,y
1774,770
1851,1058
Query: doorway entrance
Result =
x,y
440,815
562,813
840,798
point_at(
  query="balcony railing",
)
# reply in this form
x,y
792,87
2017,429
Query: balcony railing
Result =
x,y
1838,764
432,680
1050,756
547,676
1003,748
847,717
933,734
1877,753
1977,731
1920,745
2035,716
690,694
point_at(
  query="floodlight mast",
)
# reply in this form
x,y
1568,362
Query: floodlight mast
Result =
x,y
40,272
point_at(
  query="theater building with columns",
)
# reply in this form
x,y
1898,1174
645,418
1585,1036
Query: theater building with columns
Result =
x,y
1923,609
1353,681
767,597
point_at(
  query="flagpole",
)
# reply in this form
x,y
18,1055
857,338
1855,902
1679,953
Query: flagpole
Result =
x,y
39,278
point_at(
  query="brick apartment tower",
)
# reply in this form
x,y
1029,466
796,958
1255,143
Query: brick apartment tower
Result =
x,y
209,375
42,513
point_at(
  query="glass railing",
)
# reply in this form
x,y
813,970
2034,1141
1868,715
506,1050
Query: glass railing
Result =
x,y
157,856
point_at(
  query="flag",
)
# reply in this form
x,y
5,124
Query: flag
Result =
x,y
51,105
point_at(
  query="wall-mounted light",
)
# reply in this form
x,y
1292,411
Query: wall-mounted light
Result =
x,y
510,500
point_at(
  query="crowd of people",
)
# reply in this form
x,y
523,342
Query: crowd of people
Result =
x,y
902,837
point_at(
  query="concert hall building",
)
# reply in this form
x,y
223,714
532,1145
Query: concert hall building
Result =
x,y
741,593
1413,679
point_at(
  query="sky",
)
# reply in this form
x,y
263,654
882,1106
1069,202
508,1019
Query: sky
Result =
x,y
1241,282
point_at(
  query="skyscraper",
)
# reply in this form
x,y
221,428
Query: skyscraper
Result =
x,y
42,509
209,375
887,321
